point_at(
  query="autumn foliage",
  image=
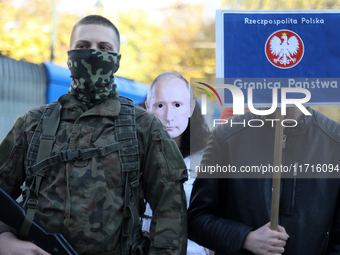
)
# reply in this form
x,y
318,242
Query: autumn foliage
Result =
x,y
149,46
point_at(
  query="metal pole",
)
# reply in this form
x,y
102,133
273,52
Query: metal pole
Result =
x,y
54,28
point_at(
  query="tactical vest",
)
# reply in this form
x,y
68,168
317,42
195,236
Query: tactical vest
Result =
x,y
40,159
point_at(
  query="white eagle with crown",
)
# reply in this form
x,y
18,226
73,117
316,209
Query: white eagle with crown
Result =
x,y
284,50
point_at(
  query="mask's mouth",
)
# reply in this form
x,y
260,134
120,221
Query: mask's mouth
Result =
x,y
92,73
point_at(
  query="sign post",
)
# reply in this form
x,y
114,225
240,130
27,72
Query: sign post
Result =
x,y
278,145
266,50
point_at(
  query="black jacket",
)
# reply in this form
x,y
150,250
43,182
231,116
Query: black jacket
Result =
x,y
223,211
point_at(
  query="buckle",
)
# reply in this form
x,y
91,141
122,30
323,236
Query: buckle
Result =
x,y
32,203
63,156
29,170
135,182
102,151
72,155
69,155
45,137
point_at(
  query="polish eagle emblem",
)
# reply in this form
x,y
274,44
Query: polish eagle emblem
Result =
x,y
284,49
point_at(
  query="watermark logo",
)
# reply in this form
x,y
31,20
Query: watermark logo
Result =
x,y
204,96
238,99
284,49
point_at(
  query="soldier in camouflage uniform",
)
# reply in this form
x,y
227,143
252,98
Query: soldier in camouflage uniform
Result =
x,y
83,198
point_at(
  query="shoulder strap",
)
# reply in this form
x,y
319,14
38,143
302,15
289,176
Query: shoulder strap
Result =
x,y
125,130
32,182
39,157
35,141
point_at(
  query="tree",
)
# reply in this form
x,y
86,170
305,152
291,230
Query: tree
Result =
x,y
22,34
26,31
151,47
280,4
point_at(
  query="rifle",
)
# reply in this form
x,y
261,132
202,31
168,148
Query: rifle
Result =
x,y
12,214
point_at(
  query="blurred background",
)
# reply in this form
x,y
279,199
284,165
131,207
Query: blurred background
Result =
x,y
156,36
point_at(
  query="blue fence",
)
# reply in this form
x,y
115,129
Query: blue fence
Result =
x,y
24,86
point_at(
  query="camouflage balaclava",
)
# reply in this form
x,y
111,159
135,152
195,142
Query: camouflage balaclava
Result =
x,y
92,75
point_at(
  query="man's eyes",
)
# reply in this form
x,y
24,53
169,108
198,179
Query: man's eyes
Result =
x,y
81,46
87,46
105,48
177,105
160,105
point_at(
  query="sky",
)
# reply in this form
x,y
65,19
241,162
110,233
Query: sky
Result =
x,y
153,6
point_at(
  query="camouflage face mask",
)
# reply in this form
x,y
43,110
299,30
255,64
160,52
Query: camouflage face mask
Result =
x,y
92,75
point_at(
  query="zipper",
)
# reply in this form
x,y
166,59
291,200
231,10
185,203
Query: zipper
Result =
x,y
295,171
284,143
294,184
327,241
283,149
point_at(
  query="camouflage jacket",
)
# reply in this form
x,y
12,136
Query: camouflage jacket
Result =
x,y
83,200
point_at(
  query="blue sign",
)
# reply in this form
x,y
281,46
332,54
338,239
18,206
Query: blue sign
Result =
x,y
301,48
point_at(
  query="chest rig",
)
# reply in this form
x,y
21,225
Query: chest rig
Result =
x,y
40,159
